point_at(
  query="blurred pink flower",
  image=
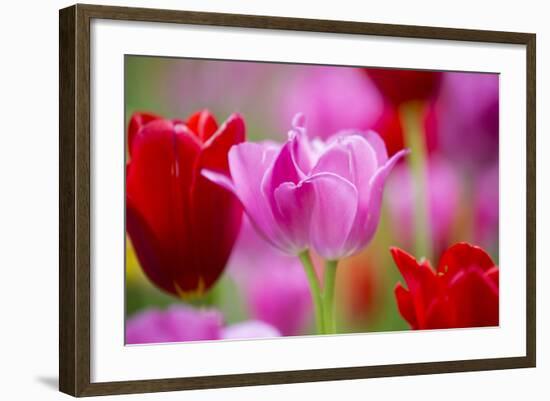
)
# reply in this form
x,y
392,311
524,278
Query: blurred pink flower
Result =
x,y
295,194
181,323
333,98
444,189
468,107
198,83
177,323
487,208
280,296
250,329
273,284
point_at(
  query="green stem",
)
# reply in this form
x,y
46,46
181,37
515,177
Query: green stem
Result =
x,y
328,296
314,289
412,119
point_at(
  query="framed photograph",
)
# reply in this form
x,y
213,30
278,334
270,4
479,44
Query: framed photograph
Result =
x,y
250,200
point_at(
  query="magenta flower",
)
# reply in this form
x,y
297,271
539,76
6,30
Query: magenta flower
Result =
x,y
333,98
280,297
487,207
324,196
250,329
273,284
181,323
175,324
444,190
468,126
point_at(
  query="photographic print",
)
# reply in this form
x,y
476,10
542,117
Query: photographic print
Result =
x,y
336,191
268,199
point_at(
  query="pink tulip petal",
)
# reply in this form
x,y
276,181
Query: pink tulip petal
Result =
x,y
363,163
305,152
372,138
336,159
283,169
293,205
378,145
248,164
332,215
375,202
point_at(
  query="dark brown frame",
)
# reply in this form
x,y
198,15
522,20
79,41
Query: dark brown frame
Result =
x,y
74,199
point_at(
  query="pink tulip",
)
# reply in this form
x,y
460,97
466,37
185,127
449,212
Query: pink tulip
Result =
x,y
324,196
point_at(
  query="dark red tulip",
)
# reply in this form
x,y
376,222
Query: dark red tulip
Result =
x,y
461,292
390,128
182,226
400,86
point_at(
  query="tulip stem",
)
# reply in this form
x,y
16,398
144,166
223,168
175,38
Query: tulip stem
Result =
x,y
411,118
328,296
314,289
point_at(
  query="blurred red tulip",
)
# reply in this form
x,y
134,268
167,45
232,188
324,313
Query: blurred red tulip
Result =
x,y
182,226
390,128
462,292
361,299
400,86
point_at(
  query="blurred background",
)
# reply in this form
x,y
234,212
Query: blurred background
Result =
x,y
457,121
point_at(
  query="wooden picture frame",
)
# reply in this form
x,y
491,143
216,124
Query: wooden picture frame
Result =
x,y
75,206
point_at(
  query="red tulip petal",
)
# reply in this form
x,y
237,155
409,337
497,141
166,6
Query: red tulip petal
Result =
x,y
416,275
406,306
137,121
203,124
216,213
406,264
421,281
437,315
492,274
147,249
215,150
463,255
474,299
159,177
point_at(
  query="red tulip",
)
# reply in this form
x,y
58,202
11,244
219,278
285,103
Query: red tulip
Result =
x,y
462,292
400,86
182,226
390,128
